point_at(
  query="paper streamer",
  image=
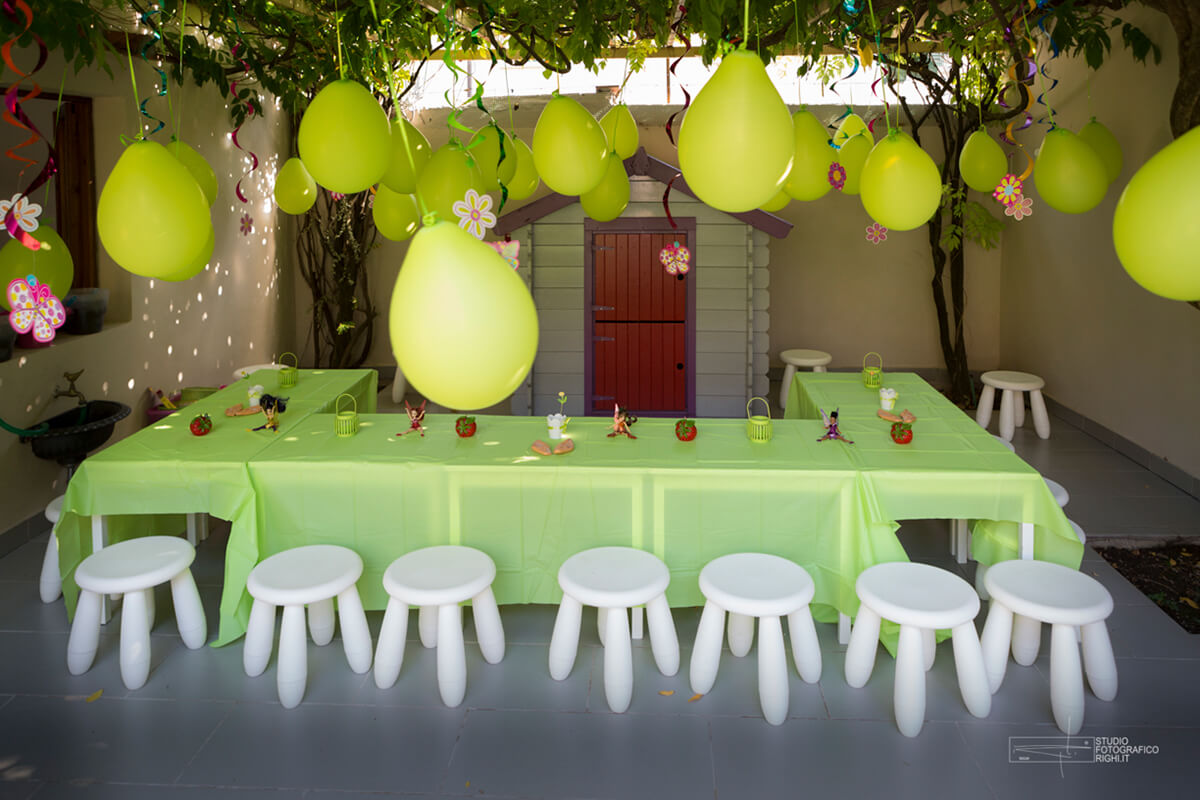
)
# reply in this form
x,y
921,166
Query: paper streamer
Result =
x,y
666,199
162,76
249,115
687,46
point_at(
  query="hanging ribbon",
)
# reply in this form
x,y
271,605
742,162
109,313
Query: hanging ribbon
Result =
x,y
156,37
249,115
687,46
666,199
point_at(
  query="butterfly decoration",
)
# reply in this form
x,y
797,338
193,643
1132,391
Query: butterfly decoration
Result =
x,y
508,251
34,307
675,258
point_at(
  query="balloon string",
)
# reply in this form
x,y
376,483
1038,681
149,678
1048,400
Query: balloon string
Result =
x,y
745,22
175,121
412,164
337,26
133,80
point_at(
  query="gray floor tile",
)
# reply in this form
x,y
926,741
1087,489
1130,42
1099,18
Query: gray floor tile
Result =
x,y
522,680
1087,484
42,665
14,788
130,791
1123,592
22,609
1145,631
1146,695
24,563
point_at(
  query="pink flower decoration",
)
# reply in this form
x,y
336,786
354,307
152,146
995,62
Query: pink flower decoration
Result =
x,y
247,225
837,176
1019,208
876,233
337,196
1008,190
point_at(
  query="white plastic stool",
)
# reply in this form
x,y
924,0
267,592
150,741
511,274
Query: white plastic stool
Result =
x,y
399,386
1012,403
749,585
245,372
304,576
817,359
436,580
922,599
1066,599
1061,495
614,579
50,583
133,568
1006,443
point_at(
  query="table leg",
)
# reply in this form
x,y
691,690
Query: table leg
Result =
x,y
843,628
789,372
1026,547
99,542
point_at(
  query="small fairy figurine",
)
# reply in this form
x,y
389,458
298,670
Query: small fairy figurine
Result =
x,y
622,419
272,406
415,417
831,427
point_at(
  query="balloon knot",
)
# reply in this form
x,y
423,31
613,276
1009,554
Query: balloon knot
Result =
x,y
430,219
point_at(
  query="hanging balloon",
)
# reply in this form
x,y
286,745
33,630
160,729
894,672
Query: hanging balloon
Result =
x,y
463,326
809,178
779,201
901,186
569,149
295,190
445,180
621,130
152,217
852,156
736,142
982,162
1106,146
396,215
611,195
52,266
200,169
850,127
1068,174
198,264
1154,228
486,153
344,139
410,154
525,180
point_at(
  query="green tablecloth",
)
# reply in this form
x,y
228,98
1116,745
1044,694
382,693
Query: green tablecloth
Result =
x,y
164,469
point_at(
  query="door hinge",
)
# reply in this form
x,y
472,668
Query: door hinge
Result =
x,y
604,308
604,338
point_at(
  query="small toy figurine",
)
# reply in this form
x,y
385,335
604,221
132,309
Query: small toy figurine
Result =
x,y
831,427
901,425
415,416
272,406
622,419
200,425
465,427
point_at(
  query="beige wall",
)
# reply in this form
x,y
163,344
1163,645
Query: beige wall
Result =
x,y
187,334
1128,359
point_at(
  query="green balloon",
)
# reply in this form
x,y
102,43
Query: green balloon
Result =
x,y
611,195
1068,174
445,181
569,149
850,127
901,186
51,264
809,178
295,190
736,142
200,169
152,216
486,153
463,326
982,162
852,156
344,139
1106,146
525,180
1154,227
620,129
410,154
198,264
396,215
779,201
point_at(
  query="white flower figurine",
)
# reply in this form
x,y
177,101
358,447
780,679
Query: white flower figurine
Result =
x,y
887,398
475,214
24,212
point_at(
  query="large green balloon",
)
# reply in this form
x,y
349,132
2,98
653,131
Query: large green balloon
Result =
x,y
52,265
152,216
901,186
1106,146
611,195
486,154
396,215
569,149
295,190
445,181
736,142
525,180
852,156
850,127
463,326
982,162
200,169
809,178
410,154
1068,174
621,130
198,263
779,201
344,139
1155,229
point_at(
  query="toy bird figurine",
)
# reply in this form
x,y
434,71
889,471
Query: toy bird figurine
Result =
x,y
415,416
622,419
831,427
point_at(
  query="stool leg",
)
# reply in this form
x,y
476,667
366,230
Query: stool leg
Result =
x,y
772,671
85,633
135,639
806,652
740,633
1098,660
50,583
320,621
356,639
291,673
909,690
189,611
1019,409
664,642
618,663
427,624
260,635
972,677
706,650
151,609
389,652
564,642
860,653
1041,420
1066,679
451,657
488,628
1006,415
789,372
601,623
997,636
819,368
1026,639
983,414
929,646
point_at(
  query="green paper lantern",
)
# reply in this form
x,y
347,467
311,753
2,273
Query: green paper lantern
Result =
x,y
901,186
525,180
812,156
463,326
611,195
295,189
1068,174
620,129
982,163
152,216
1106,146
396,215
779,201
737,141
1154,227
852,156
52,267
410,154
569,148
198,263
486,154
445,180
850,127
196,164
345,140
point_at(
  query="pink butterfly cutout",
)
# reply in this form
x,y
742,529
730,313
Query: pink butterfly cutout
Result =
x,y
508,251
34,308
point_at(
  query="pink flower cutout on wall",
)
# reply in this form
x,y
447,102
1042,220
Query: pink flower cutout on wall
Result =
x,y
876,233
247,225
1009,190
475,213
337,196
837,176
1019,208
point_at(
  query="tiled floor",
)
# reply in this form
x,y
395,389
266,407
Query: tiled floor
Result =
x,y
200,728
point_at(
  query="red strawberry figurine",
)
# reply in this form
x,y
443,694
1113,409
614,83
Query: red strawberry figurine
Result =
x,y
465,427
902,432
200,425
686,430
